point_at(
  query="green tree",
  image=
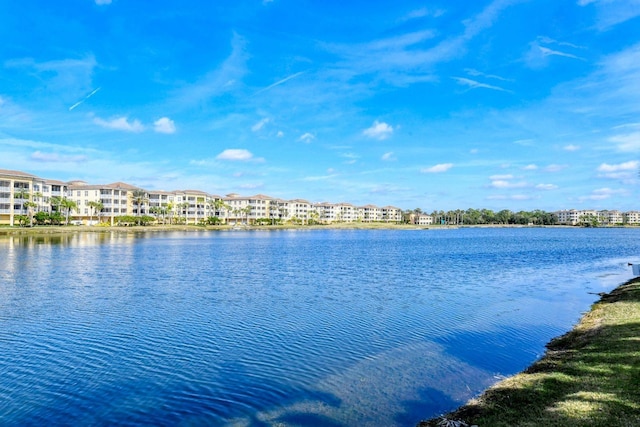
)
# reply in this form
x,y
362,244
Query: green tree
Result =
x,y
30,211
140,198
23,195
68,205
56,202
95,207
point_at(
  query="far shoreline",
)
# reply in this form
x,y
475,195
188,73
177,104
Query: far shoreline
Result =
x,y
66,229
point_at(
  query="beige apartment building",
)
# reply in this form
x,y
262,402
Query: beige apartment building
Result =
x,y
23,194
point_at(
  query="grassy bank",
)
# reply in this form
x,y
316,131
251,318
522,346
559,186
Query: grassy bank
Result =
x,y
588,377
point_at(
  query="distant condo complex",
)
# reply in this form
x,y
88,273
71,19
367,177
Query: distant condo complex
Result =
x,y
23,195
119,199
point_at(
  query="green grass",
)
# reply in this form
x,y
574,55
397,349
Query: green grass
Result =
x,y
588,377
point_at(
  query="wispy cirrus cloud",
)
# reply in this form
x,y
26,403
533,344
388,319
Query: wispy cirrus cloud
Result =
x,y
306,137
260,124
538,55
378,130
221,80
411,57
473,84
612,12
69,77
39,156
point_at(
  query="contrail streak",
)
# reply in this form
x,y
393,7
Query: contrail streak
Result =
x,y
93,92
278,83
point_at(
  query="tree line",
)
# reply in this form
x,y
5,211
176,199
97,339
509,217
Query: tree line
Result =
x,y
487,216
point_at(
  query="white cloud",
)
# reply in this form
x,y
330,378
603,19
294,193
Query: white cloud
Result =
x,y
259,125
235,154
624,171
555,168
164,125
102,2
626,166
602,194
280,134
379,130
501,183
439,168
39,156
500,177
120,123
546,186
307,137
627,142
530,167
388,156
571,147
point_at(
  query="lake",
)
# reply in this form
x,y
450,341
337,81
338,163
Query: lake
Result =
x,y
290,328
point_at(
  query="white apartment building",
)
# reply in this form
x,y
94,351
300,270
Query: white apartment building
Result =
x,y
632,217
19,191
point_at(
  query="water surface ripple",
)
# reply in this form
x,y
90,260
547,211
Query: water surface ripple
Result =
x,y
299,328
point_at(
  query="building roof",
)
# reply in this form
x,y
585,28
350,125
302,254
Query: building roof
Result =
x,y
10,172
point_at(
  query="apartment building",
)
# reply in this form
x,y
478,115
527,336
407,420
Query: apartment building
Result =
x,y
610,217
632,217
24,194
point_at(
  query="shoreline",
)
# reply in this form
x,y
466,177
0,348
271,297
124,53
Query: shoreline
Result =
x,y
62,229
588,376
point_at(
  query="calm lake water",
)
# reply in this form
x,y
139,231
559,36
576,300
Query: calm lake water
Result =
x,y
291,328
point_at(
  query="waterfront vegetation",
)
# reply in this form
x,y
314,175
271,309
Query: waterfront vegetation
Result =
x,y
159,216
588,377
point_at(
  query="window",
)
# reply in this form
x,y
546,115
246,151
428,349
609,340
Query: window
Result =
x,y
86,193
21,185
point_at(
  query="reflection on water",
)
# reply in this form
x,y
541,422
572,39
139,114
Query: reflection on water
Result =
x,y
284,328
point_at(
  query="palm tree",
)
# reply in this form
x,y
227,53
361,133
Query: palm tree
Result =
x,y
246,211
68,205
23,195
169,209
95,207
30,206
139,199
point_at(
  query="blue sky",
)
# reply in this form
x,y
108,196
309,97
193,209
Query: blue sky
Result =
x,y
503,104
